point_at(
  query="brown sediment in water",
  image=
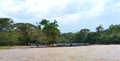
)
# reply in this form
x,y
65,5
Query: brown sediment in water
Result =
x,y
81,53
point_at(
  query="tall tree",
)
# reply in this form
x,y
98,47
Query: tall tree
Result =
x,y
100,31
50,30
6,24
7,35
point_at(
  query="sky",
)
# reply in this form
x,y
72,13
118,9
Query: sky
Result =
x,y
71,15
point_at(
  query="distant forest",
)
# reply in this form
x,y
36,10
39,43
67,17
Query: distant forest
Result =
x,y
46,32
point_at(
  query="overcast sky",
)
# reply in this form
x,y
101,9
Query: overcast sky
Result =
x,y
72,15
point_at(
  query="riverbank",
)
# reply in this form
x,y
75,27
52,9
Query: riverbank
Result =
x,y
4,47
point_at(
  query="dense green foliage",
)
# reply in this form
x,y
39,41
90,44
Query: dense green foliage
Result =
x,y
48,33
50,30
24,33
101,36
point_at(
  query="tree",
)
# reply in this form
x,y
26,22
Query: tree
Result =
x,y
68,37
6,24
92,38
7,35
115,30
115,33
50,30
100,28
100,31
81,36
62,39
28,33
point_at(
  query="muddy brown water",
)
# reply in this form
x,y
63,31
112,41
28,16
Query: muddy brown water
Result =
x,y
81,53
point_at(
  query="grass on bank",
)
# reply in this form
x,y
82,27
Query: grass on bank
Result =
x,y
4,47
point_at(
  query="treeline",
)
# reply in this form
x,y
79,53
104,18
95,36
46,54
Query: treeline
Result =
x,y
46,32
100,36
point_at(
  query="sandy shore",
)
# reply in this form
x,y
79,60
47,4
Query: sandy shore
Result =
x,y
82,53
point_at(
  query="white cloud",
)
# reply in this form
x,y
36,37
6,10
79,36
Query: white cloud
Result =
x,y
43,7
69,13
